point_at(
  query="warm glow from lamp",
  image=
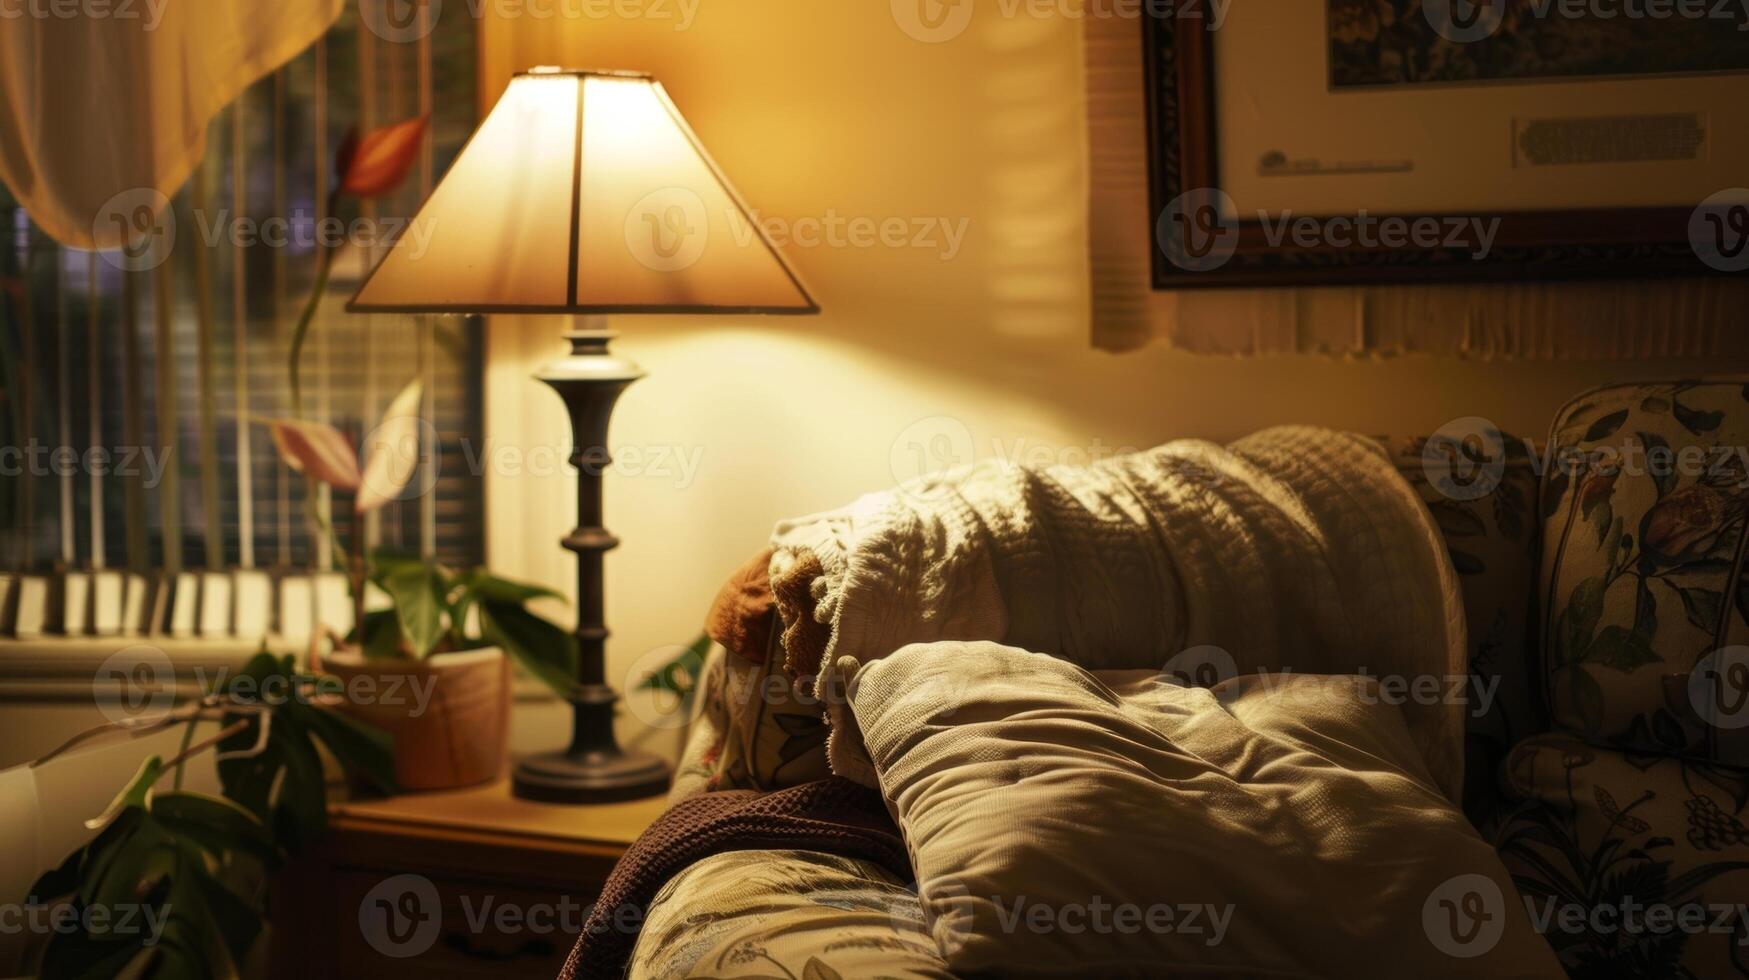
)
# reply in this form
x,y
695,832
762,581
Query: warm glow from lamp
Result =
x,y
583,192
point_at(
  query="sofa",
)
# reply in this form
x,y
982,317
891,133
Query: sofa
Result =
x,y
1605,732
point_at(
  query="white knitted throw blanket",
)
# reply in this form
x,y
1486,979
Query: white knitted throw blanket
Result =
x,y
1295,549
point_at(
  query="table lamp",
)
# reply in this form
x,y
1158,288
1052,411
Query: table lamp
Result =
x,y
585,193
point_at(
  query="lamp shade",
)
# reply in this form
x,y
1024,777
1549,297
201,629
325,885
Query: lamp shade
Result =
x,y
583,192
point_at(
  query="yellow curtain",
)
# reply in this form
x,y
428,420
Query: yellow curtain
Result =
x,y
101,115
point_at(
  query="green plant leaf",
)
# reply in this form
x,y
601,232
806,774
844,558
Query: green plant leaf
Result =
x,y
216,825
363,750
283,784
418,594
487,587
137,792
234,921
82,958
379,635
545,650
384,563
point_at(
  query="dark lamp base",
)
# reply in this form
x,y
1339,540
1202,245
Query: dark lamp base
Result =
x,y
594,777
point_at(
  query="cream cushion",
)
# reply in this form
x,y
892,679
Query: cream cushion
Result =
x,y
1066,822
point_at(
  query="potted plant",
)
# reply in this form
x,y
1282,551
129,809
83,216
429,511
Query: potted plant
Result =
x,y
190,873
431,669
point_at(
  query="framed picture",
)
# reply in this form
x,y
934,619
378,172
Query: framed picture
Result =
x,y
1300,142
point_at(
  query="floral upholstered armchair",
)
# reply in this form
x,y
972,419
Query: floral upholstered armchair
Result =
x,y
1609,632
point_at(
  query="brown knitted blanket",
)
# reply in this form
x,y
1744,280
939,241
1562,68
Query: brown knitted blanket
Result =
x,y
832,815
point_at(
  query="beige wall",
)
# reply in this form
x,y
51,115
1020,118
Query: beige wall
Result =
x,y
815,106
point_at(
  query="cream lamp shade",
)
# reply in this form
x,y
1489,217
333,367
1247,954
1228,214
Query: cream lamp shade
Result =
x,y
583,192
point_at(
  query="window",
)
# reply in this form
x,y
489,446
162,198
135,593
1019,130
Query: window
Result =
x,y
130,400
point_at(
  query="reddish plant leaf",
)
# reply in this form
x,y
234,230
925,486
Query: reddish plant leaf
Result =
x,y
317,450
377,162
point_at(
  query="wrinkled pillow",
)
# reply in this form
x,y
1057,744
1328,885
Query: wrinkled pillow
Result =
x,y
1063,822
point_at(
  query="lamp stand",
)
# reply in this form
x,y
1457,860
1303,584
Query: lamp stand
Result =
x,y
594,769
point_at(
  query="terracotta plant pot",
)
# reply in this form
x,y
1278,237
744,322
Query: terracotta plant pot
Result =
x,y
449,714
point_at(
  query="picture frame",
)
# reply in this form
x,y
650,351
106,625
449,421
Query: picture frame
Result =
x,y
1202,239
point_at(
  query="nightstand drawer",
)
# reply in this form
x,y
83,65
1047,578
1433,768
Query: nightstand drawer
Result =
x,y
411,925
470,883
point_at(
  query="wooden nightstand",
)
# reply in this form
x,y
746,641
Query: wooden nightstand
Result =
x,y
468,884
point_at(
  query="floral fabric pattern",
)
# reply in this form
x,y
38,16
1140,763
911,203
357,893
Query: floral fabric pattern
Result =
x,y
756,729
1631,865
1492,538
1644,506
786,915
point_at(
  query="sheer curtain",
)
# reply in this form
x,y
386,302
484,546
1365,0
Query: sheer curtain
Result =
x,y
117,99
